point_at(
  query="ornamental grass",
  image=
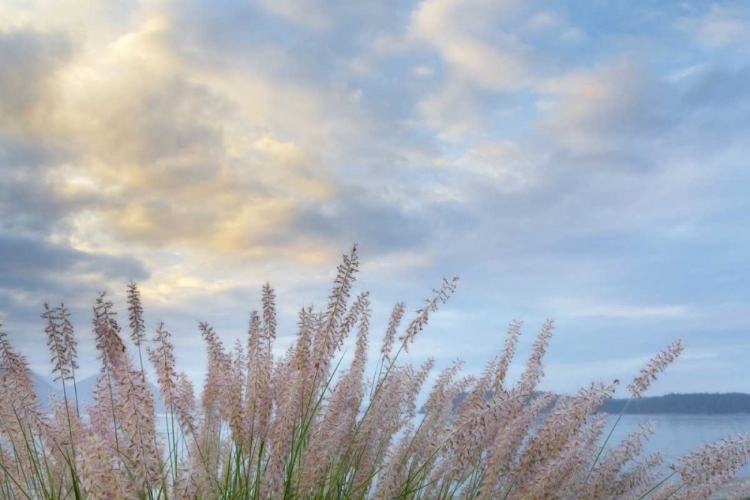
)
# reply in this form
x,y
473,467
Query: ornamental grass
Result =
x,y
307,426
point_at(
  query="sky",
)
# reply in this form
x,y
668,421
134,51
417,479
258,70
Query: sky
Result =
x,y
584,161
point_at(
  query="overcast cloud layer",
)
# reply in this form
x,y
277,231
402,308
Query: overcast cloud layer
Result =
x,y
585,161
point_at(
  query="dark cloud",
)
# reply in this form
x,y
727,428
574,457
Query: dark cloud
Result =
x,y
176,118
29,201
33,271
27,59
17,152
379,226
32,264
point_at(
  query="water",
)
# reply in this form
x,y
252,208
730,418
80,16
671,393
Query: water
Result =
x,y
677,435
674,435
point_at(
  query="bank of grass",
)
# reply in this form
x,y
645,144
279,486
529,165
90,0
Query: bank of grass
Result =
x,y
294,428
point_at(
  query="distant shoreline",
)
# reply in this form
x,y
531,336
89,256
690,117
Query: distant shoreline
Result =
x,y
729,403
733,403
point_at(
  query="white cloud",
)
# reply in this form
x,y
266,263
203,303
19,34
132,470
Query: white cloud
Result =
x,y
497,61
553,24
390,44
595,109
688,72
721,26
575,308
544,20
451,112
423,71
699,354
486,48
506,165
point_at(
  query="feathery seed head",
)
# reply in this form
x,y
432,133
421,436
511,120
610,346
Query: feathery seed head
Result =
x,y
390,333
137,325
441,296
656,365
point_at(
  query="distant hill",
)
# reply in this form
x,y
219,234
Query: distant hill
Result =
x,y
686,404
696,404
488,395
42,388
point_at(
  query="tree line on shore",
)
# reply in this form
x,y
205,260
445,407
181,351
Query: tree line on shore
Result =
x,y
687,404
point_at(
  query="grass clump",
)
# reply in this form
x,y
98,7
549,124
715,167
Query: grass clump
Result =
x,y
306,427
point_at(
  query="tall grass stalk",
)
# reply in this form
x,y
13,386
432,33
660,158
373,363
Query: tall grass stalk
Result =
x,y
307,426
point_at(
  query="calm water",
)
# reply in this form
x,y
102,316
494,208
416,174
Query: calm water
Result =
x,y
676,435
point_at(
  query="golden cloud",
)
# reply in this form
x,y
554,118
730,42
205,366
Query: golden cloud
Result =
x,y
169,154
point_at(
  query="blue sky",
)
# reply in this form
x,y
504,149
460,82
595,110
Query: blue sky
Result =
x,y
581,161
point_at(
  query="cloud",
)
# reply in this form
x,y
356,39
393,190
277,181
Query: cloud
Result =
x,y
33,271
29,201
612,106
623,311
451,112
306,13
503,164
423,71
546,23
453,27
395,221
163,147
493,56
22,258
30,60
545,20
722,25
722,88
